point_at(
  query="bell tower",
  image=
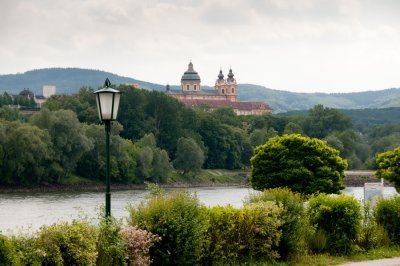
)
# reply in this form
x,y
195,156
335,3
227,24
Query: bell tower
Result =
x,y
227,87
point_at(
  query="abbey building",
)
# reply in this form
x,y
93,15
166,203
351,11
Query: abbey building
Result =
x,y
224,94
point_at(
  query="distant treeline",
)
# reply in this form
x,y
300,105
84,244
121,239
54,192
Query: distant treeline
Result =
x,y
157,138
70,80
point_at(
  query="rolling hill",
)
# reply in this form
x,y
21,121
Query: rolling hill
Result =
x,y
70,80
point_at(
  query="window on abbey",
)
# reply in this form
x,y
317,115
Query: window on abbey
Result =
x,y
223,91
187,87
233,90
194,87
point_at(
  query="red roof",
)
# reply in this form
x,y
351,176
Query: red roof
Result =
x,y
219,103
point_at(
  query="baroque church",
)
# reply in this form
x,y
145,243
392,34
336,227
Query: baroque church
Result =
x,y
224,94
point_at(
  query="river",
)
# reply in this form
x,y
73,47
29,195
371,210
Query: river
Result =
x,y
27,212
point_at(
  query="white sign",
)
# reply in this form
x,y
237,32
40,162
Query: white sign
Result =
x,y
372,192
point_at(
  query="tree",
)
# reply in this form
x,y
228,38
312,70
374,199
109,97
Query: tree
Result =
x,y
293,128
389,167
83,104
24,152
68,138
153,163
161,165
302,164
260,136
10,114
189,156
323,120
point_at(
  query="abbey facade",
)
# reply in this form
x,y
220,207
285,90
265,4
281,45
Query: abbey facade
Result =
x,y
224,94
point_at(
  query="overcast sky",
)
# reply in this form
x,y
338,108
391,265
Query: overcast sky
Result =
x,y
294,45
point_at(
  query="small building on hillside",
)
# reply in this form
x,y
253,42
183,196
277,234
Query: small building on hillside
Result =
x,y
224,94
47,91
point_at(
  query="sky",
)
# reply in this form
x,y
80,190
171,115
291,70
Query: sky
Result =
x,y
291,45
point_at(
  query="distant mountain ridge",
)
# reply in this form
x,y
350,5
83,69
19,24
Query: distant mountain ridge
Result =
x,y
70,80
284,101
67,80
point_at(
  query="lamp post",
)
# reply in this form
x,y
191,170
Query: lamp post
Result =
x,y
107,100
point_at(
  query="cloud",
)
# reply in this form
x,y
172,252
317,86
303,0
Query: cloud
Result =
x,y
283,44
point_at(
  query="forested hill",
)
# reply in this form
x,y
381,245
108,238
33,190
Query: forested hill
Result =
x,y
67,80
362,117
70,80
283,101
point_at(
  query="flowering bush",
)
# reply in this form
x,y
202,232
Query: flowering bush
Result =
x,y
139,243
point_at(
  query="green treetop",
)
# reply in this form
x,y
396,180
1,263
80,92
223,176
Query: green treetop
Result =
x,y
305,165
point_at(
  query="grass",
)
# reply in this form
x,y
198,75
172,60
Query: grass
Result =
x,y
325,259
75,180
212,177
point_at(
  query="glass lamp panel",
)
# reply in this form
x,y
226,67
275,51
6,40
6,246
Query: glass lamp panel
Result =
x,y
106,102
117,97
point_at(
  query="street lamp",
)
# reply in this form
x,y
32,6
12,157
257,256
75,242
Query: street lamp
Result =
x,y
107,104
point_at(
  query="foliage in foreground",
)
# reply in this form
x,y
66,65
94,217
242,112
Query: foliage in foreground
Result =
x,y
302,164
338,218
179,220
387,214
263,231
295,224
251,233
389,168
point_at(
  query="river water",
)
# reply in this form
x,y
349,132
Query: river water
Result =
x,y
27,212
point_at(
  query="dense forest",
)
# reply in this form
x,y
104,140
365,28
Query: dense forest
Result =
x,y
70,80
157,138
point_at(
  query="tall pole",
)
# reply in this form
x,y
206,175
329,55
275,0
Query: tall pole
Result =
x,y
108,194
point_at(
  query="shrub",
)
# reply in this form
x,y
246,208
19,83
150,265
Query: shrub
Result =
x,y
241,235
339,217
6,250
179,220
27,251
139,243
68,243
295,224
373,235
387,214
317,241
111,246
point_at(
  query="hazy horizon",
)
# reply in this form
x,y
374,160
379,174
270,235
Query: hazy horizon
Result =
x,y
324,46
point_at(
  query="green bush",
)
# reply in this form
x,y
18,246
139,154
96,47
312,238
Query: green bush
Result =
x,y
317,241
27,251
387,214
111,246
6,250
294,218
242,235
179,220
339,217
67,244
373,235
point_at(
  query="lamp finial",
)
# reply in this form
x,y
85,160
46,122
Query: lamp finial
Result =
x,y
107,83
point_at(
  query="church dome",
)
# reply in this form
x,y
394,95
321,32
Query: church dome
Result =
x,y
190,74
220,75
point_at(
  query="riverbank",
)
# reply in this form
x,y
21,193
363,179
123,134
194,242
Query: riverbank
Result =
x,y
208,178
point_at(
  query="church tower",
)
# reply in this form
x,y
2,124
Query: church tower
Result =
x,y
227,87
190,80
